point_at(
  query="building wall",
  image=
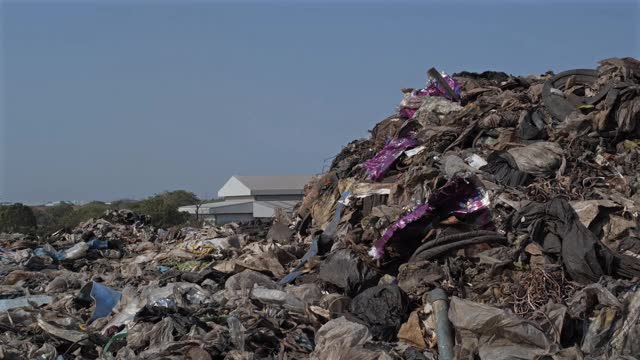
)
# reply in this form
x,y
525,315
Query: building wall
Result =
x,y
262,211
206,217
240,197
278,197
222,219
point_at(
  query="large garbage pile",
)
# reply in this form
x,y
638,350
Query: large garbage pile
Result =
x,y
492,217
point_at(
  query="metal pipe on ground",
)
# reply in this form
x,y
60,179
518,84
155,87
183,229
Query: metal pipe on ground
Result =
x,y
440,304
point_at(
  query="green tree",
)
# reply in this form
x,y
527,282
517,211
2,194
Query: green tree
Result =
x,y
17,218
163,207
92,210
178,198
123,203
60,210
50,218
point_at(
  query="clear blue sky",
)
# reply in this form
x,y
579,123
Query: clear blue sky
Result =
x,y
104,101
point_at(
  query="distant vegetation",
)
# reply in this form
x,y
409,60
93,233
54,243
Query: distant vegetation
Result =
x,y
163,209
17,218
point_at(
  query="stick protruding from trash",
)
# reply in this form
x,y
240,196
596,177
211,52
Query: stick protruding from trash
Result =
x,y
436,75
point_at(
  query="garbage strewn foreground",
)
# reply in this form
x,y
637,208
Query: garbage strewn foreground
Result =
x,y
493,217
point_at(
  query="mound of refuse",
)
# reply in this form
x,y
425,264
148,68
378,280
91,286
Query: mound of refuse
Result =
x,y
492,217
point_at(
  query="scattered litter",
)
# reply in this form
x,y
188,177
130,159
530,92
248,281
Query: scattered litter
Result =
x,y
492,216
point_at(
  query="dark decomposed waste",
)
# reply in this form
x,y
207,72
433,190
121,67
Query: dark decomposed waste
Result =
x,y
492,216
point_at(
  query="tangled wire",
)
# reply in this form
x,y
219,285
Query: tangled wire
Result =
x,y
538,287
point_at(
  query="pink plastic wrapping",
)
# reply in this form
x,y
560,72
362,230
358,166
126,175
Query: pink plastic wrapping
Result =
x,y
380,163
459,197
435,89
411,103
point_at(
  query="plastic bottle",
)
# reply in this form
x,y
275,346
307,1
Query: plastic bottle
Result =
x,y
237,332
75,252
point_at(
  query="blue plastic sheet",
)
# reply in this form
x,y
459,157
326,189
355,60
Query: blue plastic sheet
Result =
x,y
313,251
330,229
98,244
58,255
105,298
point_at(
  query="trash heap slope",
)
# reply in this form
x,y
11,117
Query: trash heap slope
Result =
x,y
492,216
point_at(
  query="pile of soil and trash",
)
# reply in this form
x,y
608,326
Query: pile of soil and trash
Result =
x,y
492,217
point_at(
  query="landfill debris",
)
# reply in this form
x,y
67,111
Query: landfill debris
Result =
x,y
348,272
383,308
491,217
411,332
493,333
343,339
36,300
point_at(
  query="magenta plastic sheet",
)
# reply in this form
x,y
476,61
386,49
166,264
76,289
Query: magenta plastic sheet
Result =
x,y
407,113
459,197
380,163
378,247
433,88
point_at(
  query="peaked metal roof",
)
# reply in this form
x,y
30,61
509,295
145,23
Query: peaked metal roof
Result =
x,y
264,185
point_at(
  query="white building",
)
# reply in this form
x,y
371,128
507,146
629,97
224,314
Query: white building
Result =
x,y
250,197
